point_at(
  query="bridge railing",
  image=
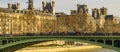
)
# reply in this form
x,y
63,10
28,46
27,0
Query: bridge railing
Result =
x,y
73,34
64,34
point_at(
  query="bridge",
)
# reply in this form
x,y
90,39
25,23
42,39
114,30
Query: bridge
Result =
x,y
11,44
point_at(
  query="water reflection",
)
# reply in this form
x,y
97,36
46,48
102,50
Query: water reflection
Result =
x,y
92,50
64,46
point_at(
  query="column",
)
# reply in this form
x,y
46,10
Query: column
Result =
x,y
0,42
113,43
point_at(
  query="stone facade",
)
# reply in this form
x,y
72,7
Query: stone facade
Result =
x,y
105,23
30,5
80,9
18,23
49,7
99,17
76,23
14,6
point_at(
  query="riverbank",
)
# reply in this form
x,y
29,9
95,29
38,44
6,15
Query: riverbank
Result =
x,y
58,49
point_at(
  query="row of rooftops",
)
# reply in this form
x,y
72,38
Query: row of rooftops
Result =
x,y
80,8
35,12
109,17
48,7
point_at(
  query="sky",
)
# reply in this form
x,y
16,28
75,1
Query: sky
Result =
x,y
65,5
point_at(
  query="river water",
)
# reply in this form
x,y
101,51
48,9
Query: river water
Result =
x,y
85,50
93,50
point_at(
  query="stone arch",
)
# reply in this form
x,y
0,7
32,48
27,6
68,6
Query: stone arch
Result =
x,y
10,41
100,41
92,40
17,40
109,42
4,42
117,43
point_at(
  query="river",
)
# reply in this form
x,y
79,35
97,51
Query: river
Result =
x,y
92,48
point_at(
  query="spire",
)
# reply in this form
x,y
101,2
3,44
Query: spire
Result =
x,y
30,5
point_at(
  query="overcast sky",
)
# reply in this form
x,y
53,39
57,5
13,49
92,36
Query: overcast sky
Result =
x,y
65,5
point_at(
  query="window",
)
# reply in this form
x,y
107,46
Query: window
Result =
x,y
18,11
25,12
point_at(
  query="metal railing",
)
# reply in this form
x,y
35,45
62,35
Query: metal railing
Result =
x,y
63,34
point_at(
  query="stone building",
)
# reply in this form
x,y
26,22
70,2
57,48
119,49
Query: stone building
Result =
x,y
14,6
105,23
30,5
80,9
76,23
73,12
110,20
20,23
49,7
14,21
99,12
111,24
79,21
104,10
99,17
